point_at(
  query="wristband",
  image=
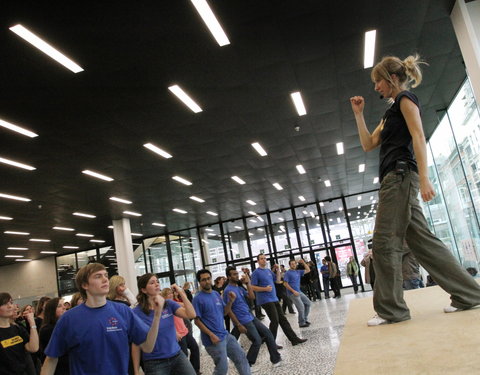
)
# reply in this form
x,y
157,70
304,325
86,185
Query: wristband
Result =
x,y
33,327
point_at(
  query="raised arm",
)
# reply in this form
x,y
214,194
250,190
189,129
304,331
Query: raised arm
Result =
x,y
411,113
148,345
32,345
247,282
186,311
368,141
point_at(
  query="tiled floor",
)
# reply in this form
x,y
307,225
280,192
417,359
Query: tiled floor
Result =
x,y
317,355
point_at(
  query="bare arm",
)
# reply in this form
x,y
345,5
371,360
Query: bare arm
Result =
x,y
32,345
136,359
307,267
148,345
204,329
49,366
368,141
267,288
251,294
186,311
294,292
411,114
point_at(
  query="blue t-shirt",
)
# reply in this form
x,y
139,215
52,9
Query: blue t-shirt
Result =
x,y
240,306
292,277
97,339
166,345
264,277
210,309
325,269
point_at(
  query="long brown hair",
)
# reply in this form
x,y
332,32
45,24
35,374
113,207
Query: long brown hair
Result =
x,y
142,297
50,312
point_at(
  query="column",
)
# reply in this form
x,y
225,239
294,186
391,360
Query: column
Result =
x,y
466,23
124,250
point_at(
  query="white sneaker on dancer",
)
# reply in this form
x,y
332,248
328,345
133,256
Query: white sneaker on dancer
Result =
x,y
451,309
377,321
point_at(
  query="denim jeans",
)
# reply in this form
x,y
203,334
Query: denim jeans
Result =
x,y
353,279
256,333
326,286
176,365
411,284
302,303
228,348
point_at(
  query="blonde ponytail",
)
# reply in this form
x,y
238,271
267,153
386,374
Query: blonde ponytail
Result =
x,y
412,68
408,71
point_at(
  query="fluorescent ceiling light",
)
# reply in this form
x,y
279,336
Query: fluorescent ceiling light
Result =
x,y
281,219
375,180
18,248
359,198
211,21
17,164
23,260
132,213
180,211
369,51
157,150
260,218
189,102
70,247
251,202
339,220
261,229
84,215
6,218
120,200
38,240
212,213
300,169
110,227
13,256
136,234
18,233
17,129
327,184
259,149
64,228
159,224
46,48
252,213
97,241
321,204
252,220
237,227
238,179
277,186
84,235
305,212
361,168
297,100
97,175
340,148
182,180
48,252
14,197
340,208
197,199
302,198
209,230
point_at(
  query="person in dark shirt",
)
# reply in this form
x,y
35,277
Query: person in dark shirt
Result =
x,y
403,173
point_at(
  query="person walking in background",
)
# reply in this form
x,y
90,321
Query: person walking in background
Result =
x,y
332,274
352,272
325,278
403,173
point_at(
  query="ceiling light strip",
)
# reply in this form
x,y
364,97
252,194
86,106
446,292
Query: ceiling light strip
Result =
x,y
187,100
14,197
17,129
97,175
211,22
157,150
369,50
17,164
298,102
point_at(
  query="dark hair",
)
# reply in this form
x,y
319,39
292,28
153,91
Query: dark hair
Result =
x,y
5,298
328,259
259,255
229,269
142,298
41,305
472,271
291,260
50,312
201,272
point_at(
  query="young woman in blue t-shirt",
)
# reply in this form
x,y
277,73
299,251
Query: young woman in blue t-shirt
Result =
x,y
166,357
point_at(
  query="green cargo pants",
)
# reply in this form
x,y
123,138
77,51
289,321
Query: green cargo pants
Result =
x,y
399,217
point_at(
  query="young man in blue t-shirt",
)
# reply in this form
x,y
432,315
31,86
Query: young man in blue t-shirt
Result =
x,y
263,284
245,322
96,334
292,283
219,344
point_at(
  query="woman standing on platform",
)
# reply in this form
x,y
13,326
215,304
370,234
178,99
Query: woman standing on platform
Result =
x,y
399,215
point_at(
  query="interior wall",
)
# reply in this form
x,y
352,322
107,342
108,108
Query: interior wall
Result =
x,y
28,281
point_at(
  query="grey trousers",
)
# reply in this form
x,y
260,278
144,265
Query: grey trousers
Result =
x,y
399,217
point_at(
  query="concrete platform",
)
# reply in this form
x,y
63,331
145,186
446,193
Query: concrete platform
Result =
x,y
431,343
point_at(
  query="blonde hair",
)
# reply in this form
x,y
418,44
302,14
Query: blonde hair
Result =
x,y
75,301
408,71
115,281
165,292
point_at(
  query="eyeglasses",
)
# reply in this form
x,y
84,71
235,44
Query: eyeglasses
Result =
x,y
205,279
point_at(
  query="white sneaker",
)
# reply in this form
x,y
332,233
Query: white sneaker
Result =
x,y
377,321
451,309
254,369
278,364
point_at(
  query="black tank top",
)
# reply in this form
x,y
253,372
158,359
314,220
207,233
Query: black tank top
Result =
x,y
396,141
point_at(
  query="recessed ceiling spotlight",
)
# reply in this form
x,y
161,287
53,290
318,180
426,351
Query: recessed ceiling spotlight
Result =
x,y
197,199
302,198
327,183
17,233
89,216
120,200
17,129
46,48
131,213
340,150
64,228
180,211
375,180
211,21
238,179
17,164
299,106
321,204
97,175
259,149
187,100
359,198
361,168
250,202
300,169
277,186
369,50
14,197
182,180
157,150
